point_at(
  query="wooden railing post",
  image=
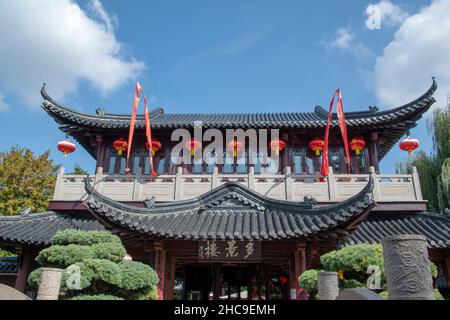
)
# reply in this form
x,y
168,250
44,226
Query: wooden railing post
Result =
x,y
59,185
416,184
178,183
214,178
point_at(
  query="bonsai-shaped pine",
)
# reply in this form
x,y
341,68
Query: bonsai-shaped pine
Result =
x,y
94,268
352,262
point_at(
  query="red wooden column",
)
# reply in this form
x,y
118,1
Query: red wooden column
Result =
x,y
25,264
300,264
160,265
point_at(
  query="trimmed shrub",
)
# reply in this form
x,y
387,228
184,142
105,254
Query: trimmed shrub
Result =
x,y
63,256
94,268
353,258
308,280
136,275
87,238
34,279
112,251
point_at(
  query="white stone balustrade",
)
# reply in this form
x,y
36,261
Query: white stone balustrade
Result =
x,y
288,186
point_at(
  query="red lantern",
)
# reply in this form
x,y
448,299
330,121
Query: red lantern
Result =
x,y
156,146
235,145
193,145
409,144
120,145
283,279
357,144
316,145
277,145
66,146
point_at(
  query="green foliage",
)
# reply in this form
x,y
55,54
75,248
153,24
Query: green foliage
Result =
x,y
434,169
63,256
308,280
77,169
351,283
34,279
72,236
111,251
95,297
103,273
28,180
136,275
353,258
5,253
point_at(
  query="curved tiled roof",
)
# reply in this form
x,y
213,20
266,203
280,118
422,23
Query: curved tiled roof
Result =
x,y
160,119
233,211
39,228
394,122
436,228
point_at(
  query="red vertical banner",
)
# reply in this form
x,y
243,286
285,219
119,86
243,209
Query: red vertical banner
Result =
x,y
148,133
343,128
324,168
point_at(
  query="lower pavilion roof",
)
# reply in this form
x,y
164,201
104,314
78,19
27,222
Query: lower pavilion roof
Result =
x,y
39,228
435,227
232,211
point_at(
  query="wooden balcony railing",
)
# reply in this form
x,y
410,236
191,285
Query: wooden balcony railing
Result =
x,y
288,186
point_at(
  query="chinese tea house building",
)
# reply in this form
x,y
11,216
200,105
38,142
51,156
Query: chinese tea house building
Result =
x,y
239,230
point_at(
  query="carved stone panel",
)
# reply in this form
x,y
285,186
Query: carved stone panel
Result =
x,y
407,269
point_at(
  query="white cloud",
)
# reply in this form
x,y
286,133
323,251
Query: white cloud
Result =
x,y
388,13
55,41
110,21
420,49
3,105
345,40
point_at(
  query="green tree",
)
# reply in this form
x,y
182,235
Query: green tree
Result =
x,y
27,180
434,168
77,169
103,274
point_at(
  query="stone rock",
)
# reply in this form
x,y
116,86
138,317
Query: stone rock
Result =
x,y
358,294
328,286
407,269
9,293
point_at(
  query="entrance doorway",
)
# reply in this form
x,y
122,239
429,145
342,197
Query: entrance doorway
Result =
x,y
231,282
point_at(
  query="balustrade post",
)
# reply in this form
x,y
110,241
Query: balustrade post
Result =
x,y
251,178
331,185
288,183
178,183
137,184
416,184
376,183
214,177
98,179
57,194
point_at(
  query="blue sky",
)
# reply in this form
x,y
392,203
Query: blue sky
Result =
x,y
211,56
